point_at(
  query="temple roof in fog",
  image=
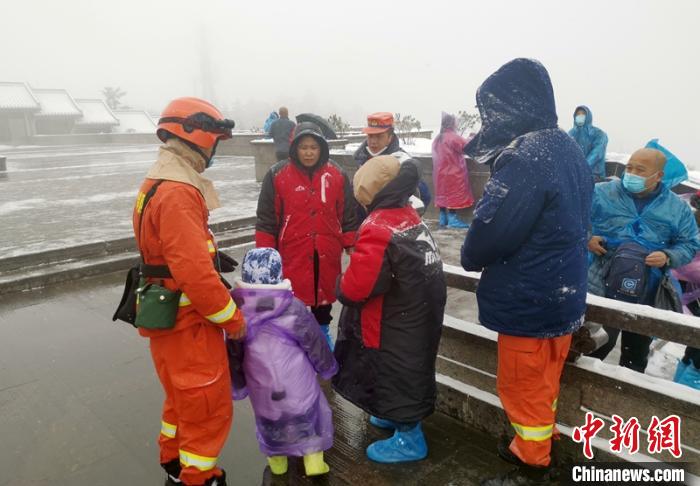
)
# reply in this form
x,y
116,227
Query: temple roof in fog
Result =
x,y
17,96
56,102
95,112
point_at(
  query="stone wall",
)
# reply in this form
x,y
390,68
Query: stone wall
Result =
x,y
264,154
95,139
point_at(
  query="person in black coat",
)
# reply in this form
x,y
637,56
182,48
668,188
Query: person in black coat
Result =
x,y
394,295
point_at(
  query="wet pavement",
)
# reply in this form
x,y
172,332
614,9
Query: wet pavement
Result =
x,y
53,197
80,404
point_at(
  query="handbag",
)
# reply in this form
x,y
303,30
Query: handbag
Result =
x,y
667,297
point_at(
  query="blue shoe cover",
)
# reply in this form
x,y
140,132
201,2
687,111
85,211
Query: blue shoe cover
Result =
x,y
401,447
680,369
690,377
443,217
327,332
382,423
453,221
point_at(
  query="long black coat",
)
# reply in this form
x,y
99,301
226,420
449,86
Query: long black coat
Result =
x,y
394,294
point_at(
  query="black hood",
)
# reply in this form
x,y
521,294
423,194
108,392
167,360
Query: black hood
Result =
x,y
515,100
397,192
302,130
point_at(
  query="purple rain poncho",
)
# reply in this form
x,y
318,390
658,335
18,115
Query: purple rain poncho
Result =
x,y
281,354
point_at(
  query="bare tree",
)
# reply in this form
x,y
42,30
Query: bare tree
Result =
x,y
404,125
467,121
339,126
113,97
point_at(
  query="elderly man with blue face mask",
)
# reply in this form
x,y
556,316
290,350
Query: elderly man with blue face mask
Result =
x,y
642,210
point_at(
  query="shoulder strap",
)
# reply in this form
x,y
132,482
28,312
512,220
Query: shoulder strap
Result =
x,y
146,198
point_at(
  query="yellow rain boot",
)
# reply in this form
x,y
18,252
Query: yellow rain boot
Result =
x,y
278,464
314,465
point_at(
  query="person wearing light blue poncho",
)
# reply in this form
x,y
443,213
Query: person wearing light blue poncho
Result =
x,y
592,140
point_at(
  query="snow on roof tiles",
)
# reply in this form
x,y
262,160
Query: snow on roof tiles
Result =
x,y
56,102
95,112
134,121
17,96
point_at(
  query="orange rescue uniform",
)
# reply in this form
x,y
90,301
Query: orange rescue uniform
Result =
x,y
190,358
529,370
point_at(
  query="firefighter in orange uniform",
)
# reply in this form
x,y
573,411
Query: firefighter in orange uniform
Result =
x,y
179,253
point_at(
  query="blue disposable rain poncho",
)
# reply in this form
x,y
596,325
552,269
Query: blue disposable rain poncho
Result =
x,y
666,223
674,170
593,141
270,120
282,352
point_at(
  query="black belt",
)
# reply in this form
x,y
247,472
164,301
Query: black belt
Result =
x,y
162,271
155,271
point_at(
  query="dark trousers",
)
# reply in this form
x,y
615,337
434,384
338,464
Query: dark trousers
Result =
x,y
282,154
634,350
322,313
692,355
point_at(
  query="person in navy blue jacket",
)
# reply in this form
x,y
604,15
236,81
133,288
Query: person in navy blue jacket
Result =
x,y
529,240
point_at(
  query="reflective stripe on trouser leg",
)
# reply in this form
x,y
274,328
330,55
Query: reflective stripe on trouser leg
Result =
x,y
529,370
203,463
533,433
201,392
168,430
167,437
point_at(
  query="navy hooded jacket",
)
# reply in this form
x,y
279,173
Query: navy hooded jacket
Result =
x,y
592,140
529,232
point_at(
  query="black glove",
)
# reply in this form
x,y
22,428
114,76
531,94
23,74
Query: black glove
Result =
x,y
225,263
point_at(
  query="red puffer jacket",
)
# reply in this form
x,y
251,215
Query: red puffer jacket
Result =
x,y
304,212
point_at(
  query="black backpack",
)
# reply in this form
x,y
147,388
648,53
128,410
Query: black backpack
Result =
x,y
626,275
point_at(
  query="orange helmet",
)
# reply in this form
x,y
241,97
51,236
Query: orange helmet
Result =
x,y
194,120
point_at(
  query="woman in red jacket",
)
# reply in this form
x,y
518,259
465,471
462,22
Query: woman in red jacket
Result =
x,y
306,210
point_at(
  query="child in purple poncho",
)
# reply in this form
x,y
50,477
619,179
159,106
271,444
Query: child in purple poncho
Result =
x,y
277,363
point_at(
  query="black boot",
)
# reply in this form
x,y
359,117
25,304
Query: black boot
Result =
x,y
217,480
172,469
504,452
522,476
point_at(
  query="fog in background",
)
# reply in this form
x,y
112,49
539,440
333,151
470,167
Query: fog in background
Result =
x,y
635,63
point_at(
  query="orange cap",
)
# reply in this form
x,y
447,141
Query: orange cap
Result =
x,y
379,122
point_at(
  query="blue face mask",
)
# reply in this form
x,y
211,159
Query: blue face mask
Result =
x,y
634,183
210,162
580,120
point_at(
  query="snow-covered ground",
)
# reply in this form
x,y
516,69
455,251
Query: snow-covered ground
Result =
x,y
54,197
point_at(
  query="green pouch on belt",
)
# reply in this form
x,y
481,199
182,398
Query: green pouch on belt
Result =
x,y
156,306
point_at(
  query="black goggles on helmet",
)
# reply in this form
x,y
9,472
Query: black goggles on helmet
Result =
x,y
204,122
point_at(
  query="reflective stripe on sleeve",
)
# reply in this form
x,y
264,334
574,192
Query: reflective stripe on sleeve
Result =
x,y
224,314
139,202
533,433
168,430
211,247
184,300
200,462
